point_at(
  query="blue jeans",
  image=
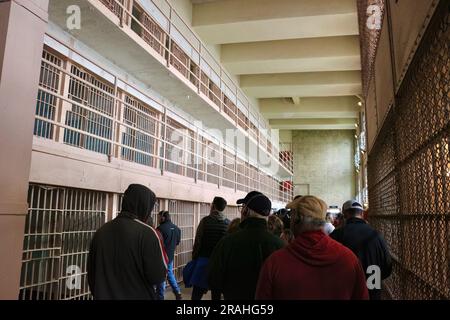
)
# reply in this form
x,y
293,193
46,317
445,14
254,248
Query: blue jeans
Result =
x,y
172,281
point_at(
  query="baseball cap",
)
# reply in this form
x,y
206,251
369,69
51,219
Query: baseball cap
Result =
x,y
309,206
257,202
352,204
249,195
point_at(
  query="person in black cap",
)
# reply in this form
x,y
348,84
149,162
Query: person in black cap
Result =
x,y
365,242
126,258
237,259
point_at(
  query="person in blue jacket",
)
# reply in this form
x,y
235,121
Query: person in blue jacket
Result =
x,y
171,235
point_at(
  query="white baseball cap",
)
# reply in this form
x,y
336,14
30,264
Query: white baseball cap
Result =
x,y
352,204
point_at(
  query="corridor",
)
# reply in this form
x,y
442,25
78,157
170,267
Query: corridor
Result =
x,y
197,99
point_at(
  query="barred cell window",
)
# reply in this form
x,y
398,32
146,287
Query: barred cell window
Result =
x,y
88,121
254,178
232,212
59,228
175,139
214,159
205,209
45,108
86,89
242,175
201,159
182,214
228,175
144,119
49,81
191,156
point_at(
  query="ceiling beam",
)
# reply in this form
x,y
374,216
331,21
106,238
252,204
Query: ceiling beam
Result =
x,y
314,84
299,55
310,108
313,124
236,21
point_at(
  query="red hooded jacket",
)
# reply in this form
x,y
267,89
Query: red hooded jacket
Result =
x,y
313,266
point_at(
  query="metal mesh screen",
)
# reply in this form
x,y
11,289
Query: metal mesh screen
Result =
x,y
409,172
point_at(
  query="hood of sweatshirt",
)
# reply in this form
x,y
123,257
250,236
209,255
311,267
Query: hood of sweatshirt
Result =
x,y
315,248
138,202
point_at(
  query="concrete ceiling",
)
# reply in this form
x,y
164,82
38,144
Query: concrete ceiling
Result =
x,y
299,58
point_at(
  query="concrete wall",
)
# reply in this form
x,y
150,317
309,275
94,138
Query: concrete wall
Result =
x,y
20,51
285,136
184,9
323,164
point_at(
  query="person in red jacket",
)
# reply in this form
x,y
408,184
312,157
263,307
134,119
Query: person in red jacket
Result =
x,y
313,266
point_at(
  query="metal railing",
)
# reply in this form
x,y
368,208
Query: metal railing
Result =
x,y
159,25
80,109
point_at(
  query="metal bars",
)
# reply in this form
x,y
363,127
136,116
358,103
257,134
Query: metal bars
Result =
x,y
59,228
409,172
98,116
167,34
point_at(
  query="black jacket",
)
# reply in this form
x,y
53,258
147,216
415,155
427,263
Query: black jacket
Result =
x,y
368,245
209,232
171,235
125,258
237,259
